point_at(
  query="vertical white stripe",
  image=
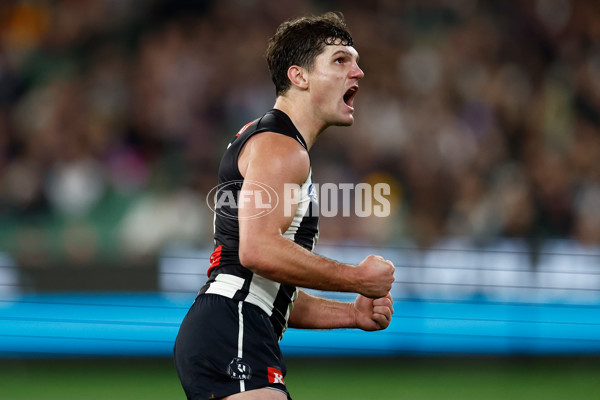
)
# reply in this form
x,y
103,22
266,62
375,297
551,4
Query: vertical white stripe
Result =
x,y
303,204
241,341
263,293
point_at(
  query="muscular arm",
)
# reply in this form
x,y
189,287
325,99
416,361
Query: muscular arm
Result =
x,y
275,160
311,312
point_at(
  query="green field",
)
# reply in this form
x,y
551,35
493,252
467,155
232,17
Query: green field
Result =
x,y
316,379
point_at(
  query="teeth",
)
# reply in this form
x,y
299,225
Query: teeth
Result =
x,y
349,94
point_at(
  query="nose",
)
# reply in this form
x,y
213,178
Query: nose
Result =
x,y
356,72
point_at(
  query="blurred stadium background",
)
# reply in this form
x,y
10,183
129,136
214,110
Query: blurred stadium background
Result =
x,y
482,116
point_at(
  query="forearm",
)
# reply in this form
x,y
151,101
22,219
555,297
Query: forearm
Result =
x,y
311,312
282,260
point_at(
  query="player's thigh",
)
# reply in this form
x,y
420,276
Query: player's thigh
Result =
x,y
258,394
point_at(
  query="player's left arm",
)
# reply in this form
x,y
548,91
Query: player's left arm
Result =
x,y
312,312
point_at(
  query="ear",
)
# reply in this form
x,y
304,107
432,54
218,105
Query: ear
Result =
x,y
298,76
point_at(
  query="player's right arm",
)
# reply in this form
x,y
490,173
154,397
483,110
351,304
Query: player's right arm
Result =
x,y
275,160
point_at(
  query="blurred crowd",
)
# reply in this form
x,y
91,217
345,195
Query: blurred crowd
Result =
x,y
483,116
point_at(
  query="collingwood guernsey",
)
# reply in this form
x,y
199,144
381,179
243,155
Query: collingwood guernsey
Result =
x,y
227,277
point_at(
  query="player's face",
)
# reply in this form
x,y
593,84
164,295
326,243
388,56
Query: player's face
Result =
x,y
334,84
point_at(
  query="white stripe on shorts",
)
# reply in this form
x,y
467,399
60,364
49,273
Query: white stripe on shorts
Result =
x,y
241,341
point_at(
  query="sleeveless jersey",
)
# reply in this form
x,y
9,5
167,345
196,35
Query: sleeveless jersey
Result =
x,y
227,277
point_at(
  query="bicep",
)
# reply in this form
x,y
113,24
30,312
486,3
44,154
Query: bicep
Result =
x,y
262,203
273,167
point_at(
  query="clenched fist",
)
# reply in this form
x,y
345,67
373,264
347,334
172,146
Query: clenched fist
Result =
x,y
373,314
376,277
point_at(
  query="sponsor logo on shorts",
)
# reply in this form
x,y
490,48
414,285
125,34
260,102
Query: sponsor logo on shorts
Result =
x,y
275,375
239,370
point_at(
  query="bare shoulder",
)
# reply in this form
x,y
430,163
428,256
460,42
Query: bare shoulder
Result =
x,y
270,151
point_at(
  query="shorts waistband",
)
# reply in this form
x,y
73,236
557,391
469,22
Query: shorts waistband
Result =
x,y
229,286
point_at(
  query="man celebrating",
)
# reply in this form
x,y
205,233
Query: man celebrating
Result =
x,y
227,346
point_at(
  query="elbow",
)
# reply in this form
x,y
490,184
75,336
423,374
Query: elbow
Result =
x,y
251,256
248,255
257,256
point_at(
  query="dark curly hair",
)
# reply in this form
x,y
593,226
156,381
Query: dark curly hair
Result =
x,y
300,41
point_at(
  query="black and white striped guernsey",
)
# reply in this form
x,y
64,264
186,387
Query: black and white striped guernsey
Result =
x,y
227,277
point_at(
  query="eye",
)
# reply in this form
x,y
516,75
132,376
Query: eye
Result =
x,y
340,60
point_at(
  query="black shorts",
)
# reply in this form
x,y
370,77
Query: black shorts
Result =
x,y
225,347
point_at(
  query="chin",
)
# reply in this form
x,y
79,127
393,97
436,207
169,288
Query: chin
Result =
x,y
345,122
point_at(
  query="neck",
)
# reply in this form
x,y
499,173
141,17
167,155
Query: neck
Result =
x,y
303,118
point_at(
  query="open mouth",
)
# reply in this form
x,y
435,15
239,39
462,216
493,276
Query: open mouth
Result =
x,y
349,96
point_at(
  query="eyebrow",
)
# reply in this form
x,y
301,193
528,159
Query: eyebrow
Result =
x,y
346,53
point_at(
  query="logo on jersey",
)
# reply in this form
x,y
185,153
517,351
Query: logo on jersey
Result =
x,y
239,370
257,199
313,194
275,375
